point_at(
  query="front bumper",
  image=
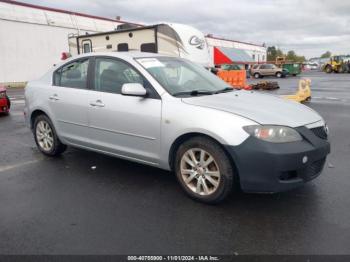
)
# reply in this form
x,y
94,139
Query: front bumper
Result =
x,y
272,167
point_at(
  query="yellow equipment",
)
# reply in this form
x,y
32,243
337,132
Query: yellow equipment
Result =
x,y
304,92
280,60
337,64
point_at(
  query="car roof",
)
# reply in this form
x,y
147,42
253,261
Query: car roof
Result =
x,y
125,55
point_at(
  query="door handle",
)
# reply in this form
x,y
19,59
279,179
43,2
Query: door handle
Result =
x,y
97,103
54,97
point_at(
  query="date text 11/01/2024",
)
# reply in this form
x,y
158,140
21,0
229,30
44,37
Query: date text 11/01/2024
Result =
x,y
173,258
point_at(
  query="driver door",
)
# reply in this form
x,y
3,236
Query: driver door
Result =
x,y
128,126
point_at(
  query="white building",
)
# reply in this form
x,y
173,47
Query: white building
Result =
x,y
33,37
235,51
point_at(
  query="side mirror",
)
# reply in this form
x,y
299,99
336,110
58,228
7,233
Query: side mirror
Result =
x,y
133,89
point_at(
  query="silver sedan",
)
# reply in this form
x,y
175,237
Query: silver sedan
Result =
x,y
173,114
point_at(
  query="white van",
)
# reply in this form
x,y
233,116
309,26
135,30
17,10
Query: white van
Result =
x,y
167,39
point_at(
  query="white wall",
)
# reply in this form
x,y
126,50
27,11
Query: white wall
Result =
x,y
13,12
27,51
32,40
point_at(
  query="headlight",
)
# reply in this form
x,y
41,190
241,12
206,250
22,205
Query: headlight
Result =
x,y
326,129
274,134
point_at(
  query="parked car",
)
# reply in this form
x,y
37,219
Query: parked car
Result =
x,y
261,70
314,66
235,67
173,114
230,67
5,102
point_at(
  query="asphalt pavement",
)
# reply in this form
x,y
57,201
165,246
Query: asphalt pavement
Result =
x,y
87,203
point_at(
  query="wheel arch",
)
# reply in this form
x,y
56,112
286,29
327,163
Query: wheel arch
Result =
x,y
34,114
184,137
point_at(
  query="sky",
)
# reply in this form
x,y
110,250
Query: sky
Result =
x,y
309,27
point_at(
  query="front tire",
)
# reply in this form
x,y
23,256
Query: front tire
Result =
x,y
203,170
46,138
328,69
256,75
278,74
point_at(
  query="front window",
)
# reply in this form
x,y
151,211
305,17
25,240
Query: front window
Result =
x,y
111,75
182,77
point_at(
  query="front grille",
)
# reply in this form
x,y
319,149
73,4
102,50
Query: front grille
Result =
x,y
320,132
312,170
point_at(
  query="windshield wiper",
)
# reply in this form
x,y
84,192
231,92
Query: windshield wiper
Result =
x,y
194,93
226,89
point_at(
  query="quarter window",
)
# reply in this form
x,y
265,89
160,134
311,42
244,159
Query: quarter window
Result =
x,y
111,75
73,74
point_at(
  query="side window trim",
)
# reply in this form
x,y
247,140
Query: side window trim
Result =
x,y
59,70
152,92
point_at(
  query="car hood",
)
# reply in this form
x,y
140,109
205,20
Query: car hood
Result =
x,y
261,108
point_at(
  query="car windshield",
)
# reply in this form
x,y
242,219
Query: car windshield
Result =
x,y
183,78
230,67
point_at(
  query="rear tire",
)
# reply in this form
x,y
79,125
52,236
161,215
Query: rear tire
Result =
x,y
46,138
203,170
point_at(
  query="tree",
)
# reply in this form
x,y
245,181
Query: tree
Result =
x,y
328,54
273,52
291,55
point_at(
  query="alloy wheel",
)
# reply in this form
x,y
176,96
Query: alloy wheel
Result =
x,y
44,135
200,172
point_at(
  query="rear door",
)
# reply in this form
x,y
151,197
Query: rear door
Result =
x,y
270,69
263,70
128,126
68,101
